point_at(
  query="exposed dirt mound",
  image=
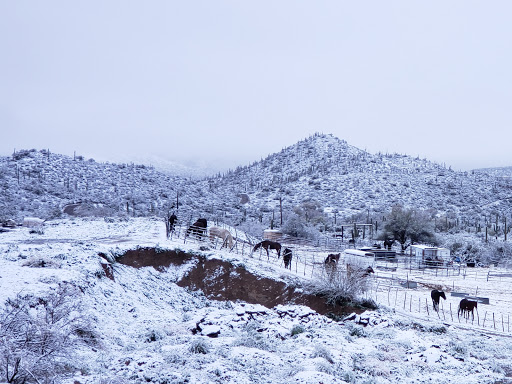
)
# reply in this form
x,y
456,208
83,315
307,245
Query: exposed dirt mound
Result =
x,y
221,280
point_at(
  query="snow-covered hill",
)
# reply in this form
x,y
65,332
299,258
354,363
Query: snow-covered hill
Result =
x,y
356,183
345,181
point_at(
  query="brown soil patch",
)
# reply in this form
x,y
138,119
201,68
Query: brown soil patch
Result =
x,y
221,280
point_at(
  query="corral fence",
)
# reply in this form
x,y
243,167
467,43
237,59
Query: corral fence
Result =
x,y
392,284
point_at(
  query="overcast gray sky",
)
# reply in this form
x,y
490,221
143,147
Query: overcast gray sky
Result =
x,y
229,82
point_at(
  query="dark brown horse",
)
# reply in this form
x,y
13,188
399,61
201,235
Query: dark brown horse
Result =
x,y
465,307
198,228
332,259
287,258
268,245
436,295
331,265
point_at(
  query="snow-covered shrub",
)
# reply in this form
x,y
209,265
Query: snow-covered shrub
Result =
x,y
348,376
322,351
356,330
199,346
297,329
295,226
337,286
252,338
153,335
458,350
40,334
41,262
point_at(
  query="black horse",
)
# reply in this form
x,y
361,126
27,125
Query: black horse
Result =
x,y
267,245
172,221
198,228
465,307
170,224
388,243
287,258
436,295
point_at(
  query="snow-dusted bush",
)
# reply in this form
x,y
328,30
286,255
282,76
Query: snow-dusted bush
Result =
x,y
252,338
295,226
39,336
339,286
458,349
321,351
199,346
41,262
356,330
297,329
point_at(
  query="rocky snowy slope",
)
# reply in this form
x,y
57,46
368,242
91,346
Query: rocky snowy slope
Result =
x,y
138,325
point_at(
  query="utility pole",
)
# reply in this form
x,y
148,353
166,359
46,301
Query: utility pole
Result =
x,y
281,209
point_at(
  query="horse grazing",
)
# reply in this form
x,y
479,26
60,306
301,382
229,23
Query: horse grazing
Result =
x,y
436,295
287,258
465,307
267,245
224,234
198,228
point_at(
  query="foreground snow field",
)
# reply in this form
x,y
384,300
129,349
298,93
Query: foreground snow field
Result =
x,y
148,329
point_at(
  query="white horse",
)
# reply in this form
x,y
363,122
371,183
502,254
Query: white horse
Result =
x,y
224,234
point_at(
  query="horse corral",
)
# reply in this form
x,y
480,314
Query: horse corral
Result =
x,y
399,282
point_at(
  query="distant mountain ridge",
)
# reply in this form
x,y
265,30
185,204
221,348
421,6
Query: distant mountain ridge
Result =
x,y
323,168
497,171
351,181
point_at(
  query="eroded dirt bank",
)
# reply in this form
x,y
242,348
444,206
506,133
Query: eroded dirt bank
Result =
x,y
221,280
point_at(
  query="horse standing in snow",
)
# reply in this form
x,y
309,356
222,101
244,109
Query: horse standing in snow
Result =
x,y
170,224
287,258
331,265
465,307
436,295
224,234
198,228
268,245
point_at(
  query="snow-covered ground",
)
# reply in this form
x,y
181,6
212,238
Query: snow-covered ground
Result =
x,y
151,330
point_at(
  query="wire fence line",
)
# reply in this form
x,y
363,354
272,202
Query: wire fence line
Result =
x,y
390,285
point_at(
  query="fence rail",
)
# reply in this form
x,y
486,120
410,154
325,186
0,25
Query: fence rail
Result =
x,y
389,285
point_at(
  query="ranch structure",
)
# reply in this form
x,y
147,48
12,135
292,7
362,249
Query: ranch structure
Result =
x,y
428,255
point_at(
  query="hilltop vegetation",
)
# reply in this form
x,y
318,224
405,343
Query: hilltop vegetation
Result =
x,y
321,180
